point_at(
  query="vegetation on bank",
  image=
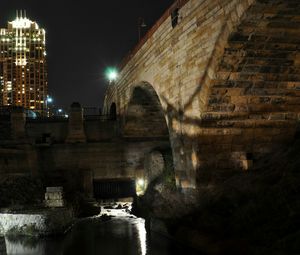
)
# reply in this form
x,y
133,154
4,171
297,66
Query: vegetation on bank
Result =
x,y
25,193
17,193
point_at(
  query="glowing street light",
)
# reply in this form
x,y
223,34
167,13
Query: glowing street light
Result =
x,y
49,99
111,74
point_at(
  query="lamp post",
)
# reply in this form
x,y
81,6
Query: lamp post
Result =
x,y
111,74
141,24
49,100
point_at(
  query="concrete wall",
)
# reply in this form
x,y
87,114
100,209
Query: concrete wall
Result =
x,y
55,148
109,160
17,159
226,76
105,160
57,130
95,130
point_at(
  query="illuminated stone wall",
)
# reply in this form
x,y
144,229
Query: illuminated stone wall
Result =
x,y
227,77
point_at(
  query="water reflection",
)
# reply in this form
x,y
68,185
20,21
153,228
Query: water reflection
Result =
x,y
142,236
29,245
124,235
24,246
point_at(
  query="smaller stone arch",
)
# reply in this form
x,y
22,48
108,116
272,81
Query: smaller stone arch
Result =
x,y
154,165
159,170
113,111
144,115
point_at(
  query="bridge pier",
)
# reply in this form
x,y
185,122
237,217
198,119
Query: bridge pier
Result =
x,y
76,132
18,121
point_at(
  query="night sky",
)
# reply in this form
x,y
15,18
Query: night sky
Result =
x,y
83,38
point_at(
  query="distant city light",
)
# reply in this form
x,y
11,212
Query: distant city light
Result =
x,y
111,74
66,116
60,110
49,99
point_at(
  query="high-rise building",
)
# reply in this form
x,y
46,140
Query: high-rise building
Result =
x,y
23,72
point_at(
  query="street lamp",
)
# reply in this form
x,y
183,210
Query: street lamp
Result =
x,y
111,74
141,24
49,100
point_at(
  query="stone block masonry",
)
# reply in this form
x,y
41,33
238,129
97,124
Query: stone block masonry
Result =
x,y
227,77
54,197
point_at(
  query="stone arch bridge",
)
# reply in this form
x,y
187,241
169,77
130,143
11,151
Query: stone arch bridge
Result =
x,y
221,78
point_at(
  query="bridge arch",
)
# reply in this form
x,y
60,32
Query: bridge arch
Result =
x,y
144,119
144,115
113,111
228,77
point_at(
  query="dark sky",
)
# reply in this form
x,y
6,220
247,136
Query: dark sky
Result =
x,y
84,37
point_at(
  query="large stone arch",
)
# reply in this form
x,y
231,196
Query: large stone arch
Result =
x,y
222,110
144,119
251,104
113,111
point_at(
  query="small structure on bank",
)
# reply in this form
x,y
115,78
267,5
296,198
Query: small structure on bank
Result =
x,y
53,218
54,197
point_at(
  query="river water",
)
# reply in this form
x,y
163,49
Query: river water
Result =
x,y
123,234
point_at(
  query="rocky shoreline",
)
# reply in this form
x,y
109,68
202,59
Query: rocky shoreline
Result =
x,y
40,222
253,212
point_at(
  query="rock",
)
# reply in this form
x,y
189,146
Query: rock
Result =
x,y
39,223
105,217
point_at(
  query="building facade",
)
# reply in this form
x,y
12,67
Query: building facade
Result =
x,y
23,67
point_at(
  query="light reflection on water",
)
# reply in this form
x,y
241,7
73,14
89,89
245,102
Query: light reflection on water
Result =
x,y
142,236
123,234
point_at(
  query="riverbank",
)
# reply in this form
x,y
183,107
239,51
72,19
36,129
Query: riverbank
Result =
x,y
114,231
38,222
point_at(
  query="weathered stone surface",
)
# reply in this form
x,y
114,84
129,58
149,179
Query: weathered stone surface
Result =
x,y
54,203
54,197
43,222
54,189
76,132
17,119
154,165
226,76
